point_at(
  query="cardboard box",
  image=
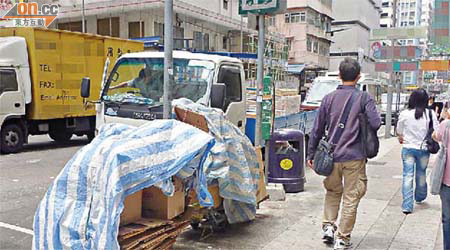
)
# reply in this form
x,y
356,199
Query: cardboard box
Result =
x,y
157,205
132,210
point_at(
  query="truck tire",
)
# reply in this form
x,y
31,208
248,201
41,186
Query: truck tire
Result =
x,y
90,136
12,138
60,136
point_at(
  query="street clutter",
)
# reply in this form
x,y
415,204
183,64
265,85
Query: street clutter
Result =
x,y
114,190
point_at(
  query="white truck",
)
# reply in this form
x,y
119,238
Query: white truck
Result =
x,y
133,92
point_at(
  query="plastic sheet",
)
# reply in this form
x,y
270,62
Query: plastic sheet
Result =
x,y
82,207
232,162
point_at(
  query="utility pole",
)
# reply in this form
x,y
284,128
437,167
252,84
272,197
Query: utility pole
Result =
x,y
83,21
168,56
388,119
260,76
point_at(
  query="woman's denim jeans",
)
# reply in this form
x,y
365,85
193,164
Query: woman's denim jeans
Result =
x,y
414,160
445,201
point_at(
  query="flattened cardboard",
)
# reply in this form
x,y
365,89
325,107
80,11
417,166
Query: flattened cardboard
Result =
x,y
192,118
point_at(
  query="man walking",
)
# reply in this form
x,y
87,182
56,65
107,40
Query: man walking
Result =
x,y
348,181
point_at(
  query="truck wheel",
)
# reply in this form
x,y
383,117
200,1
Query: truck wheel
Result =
x,y
60,137
12,138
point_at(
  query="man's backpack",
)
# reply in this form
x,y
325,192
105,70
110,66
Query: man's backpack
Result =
x,y
369,138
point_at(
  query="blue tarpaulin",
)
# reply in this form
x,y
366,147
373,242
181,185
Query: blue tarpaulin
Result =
x,y
82,207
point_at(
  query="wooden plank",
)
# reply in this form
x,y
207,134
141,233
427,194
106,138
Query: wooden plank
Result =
x,y
192,118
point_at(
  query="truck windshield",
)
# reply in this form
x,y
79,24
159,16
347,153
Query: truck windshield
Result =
x,y
320,89
141,80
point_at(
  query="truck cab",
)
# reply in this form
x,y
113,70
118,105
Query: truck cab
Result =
x,y
133,92
15,92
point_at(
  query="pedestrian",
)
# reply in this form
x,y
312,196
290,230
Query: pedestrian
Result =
x,y
438,135
412,129
348,180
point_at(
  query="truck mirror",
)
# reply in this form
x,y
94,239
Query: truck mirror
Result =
x,y
218,93
85,87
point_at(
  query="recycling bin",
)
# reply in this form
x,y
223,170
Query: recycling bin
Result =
x,y
286,160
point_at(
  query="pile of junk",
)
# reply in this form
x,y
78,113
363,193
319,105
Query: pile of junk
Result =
x,y
141,187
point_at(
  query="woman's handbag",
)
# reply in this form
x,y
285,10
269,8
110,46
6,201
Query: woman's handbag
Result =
x,y
437,173
323,157
432,145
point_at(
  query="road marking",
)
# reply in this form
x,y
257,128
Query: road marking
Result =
x,y
16,228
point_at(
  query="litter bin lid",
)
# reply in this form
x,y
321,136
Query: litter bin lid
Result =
x,y
287,135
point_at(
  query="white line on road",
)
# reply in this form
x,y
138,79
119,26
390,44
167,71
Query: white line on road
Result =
x,y
16,228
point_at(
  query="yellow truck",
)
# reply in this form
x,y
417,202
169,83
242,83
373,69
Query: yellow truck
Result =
x,y
40,74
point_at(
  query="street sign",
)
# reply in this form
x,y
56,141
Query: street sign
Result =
x,y
435,65
396,66
399,33
261,6
380,52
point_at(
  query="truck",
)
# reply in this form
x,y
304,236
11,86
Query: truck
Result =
x,y
40,74
133,92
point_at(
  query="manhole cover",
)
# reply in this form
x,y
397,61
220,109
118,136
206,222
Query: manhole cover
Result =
x,y
376,163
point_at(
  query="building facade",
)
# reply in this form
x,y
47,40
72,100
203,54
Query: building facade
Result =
x,y
354,20
305,25
440,30
387,17
198,24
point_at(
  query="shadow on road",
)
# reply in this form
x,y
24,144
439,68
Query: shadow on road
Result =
x,y
46,145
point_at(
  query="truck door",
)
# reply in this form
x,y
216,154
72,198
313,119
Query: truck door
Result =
x,y
12,100
234,108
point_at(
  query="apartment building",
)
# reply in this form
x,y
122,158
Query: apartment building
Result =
x,y
305,25
198,24
354,20
387,17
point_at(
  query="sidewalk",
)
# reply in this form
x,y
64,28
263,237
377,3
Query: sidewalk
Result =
x,y
296,222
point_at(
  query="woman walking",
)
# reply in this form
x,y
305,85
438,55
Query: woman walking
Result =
x,y
412,129
442,135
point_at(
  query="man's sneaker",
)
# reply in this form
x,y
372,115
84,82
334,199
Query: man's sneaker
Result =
x,y
342,244
328,234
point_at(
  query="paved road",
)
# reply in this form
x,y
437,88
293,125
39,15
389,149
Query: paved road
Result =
x,y
290,224
24,179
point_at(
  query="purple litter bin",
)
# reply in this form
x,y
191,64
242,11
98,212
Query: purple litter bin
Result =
x,y
286,160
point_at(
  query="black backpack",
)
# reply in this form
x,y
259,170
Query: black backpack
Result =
x,y
369,137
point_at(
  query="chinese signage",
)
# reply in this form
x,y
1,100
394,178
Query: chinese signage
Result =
x,y
435,65
399,33
32,14
261,6
396,66
398,52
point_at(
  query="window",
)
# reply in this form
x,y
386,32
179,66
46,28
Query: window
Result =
x,y
295,17
231,77
412,23
178,35
108,26
309,44
272,21
316,46
206,42
8,81
383,25
302,17
71,26
158,29
384,14
289,43
225,4
385,4
224,42
198,40
134,31
287,18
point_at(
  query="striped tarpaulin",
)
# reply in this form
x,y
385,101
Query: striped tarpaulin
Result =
x,y
82,207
